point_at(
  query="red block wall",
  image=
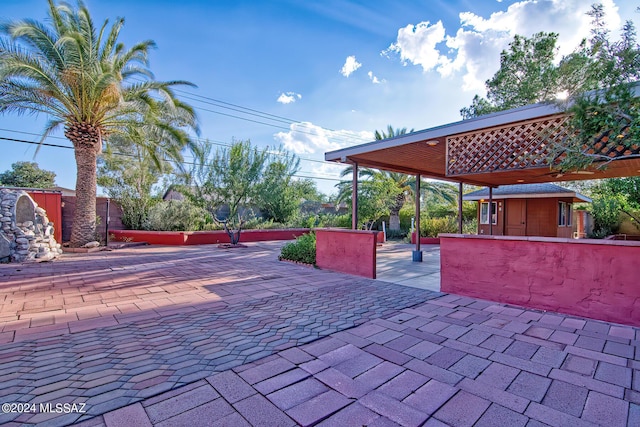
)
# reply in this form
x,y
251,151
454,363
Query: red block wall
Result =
x,y
204,237
591,278
347,251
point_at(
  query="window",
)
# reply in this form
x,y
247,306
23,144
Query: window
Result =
x,y
484,213
569,214
562,214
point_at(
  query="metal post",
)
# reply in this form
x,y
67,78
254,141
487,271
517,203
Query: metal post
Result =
x,y
417,253
354,198
106,225
460,208
491,211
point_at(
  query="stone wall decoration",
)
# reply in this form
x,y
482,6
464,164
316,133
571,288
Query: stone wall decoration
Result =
x,y
25,231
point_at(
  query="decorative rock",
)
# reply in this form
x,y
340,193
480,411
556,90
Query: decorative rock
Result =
x,y
93,244
25,229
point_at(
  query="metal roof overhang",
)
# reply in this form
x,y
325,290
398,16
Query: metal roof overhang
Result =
x,y
576,197
412,154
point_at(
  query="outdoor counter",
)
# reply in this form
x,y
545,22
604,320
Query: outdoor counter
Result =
x,y
599,279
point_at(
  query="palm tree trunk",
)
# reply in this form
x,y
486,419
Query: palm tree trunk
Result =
x,y
394,219
84,218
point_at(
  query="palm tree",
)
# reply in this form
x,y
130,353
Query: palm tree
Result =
x,y
84,80
403,184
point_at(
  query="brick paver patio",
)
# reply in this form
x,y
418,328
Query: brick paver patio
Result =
x,y
205,336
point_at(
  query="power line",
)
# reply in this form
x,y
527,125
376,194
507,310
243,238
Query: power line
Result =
x,y
260,114
131,155
213,141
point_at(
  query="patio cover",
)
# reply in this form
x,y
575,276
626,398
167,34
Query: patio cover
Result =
x,y
508,147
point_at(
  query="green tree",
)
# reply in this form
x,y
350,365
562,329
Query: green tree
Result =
x,y
604,109
278,196
84,80
529,74
226,183
128,175
28,175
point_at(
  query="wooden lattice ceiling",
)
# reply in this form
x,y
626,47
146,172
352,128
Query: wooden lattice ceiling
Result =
x,y
522,145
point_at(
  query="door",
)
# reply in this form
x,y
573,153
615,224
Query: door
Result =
x,y
516,214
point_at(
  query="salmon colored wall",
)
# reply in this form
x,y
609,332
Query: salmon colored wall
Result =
x,y
52,203
425,240
204,237
347,251
591,278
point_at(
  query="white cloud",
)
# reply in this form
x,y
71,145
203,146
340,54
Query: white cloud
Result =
x,y
288,97
305,137
375,79
417,44
350,65
474,50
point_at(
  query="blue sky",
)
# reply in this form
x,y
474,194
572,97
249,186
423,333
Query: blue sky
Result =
x,y
331,71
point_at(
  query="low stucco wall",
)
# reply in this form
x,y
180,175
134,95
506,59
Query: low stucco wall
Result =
x,y
425,240
591,278
204,237
347,251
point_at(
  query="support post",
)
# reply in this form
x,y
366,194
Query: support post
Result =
x,y
417,253
491,211
460,208
354,198
106,224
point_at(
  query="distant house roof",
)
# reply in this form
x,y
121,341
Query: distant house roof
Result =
x,y
527,191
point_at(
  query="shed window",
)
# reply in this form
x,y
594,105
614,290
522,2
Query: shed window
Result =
x,y
484,213
562,214
569,214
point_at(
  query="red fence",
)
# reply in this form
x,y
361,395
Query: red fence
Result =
x,y
50,201
591,278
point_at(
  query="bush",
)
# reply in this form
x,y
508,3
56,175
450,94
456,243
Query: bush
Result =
x,y
470,226
177,215
302,250
606,216
431,227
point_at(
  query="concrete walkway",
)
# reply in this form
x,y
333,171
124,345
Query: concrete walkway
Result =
x,y
206,336
395,265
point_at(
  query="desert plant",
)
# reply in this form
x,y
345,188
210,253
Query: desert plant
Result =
x,y
176,215
302,250
431,227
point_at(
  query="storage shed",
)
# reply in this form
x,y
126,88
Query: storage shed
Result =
x,y
528,210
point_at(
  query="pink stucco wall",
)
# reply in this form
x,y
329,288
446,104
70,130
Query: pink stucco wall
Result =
x,y
204,237
347,251
425,240
592,278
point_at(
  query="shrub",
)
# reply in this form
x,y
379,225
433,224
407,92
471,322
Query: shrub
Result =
x,y
302,250
606,216
470,226
176,215
431,227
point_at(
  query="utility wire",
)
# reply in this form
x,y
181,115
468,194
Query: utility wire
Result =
x,y
213,141
131,155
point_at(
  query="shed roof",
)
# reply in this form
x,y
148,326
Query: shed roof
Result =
x,y
527,191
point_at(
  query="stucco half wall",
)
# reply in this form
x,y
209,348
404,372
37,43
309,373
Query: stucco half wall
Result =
x,y
591,278
347,251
